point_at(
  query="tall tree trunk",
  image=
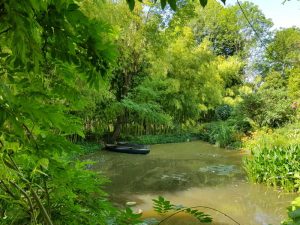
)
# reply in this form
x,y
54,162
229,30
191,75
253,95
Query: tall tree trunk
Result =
x,y
117,128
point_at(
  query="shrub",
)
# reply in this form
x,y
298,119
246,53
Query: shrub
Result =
x,y
271,104
243,125
223,112
270,138
221,133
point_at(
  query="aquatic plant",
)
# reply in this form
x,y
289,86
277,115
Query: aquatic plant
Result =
x,y
278,166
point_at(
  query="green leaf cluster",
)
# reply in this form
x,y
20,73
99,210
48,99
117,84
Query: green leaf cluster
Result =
x,y
163,206
275,166
293,213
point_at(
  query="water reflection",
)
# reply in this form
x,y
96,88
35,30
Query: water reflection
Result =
x,y
191,174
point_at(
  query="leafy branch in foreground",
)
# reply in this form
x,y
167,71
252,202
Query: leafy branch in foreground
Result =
x,y
293,213
127,216
49,53
163,206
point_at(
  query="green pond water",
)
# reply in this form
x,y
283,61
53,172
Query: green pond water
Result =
x,y
191,174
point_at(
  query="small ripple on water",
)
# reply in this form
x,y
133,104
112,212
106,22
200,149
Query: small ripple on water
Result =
x,y
220,169
177,177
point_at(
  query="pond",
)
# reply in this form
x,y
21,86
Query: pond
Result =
x,y
191,174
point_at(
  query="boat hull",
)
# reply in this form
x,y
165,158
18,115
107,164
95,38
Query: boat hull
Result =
x,y
130,148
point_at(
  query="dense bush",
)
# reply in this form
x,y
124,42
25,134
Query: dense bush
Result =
x,y
221,133
270,105
270,138
272,108
223,112
69,192
276,166
243,125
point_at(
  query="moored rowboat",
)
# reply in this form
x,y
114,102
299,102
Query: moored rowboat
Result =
x,y
128,148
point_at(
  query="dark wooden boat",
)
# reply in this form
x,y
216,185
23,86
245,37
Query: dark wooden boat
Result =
x,y
124,147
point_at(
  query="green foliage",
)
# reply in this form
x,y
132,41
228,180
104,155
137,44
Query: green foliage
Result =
x,y
293,213
193,68
171,3
224,30
283,52
168,77
89,147
252,107
127,216
274,104
270,138
163,138
223,112
294,90
294,84
274,156
200,216
221,133
71,70
150,111
203,2
270,105
276,166
53,183
163,206
49,52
